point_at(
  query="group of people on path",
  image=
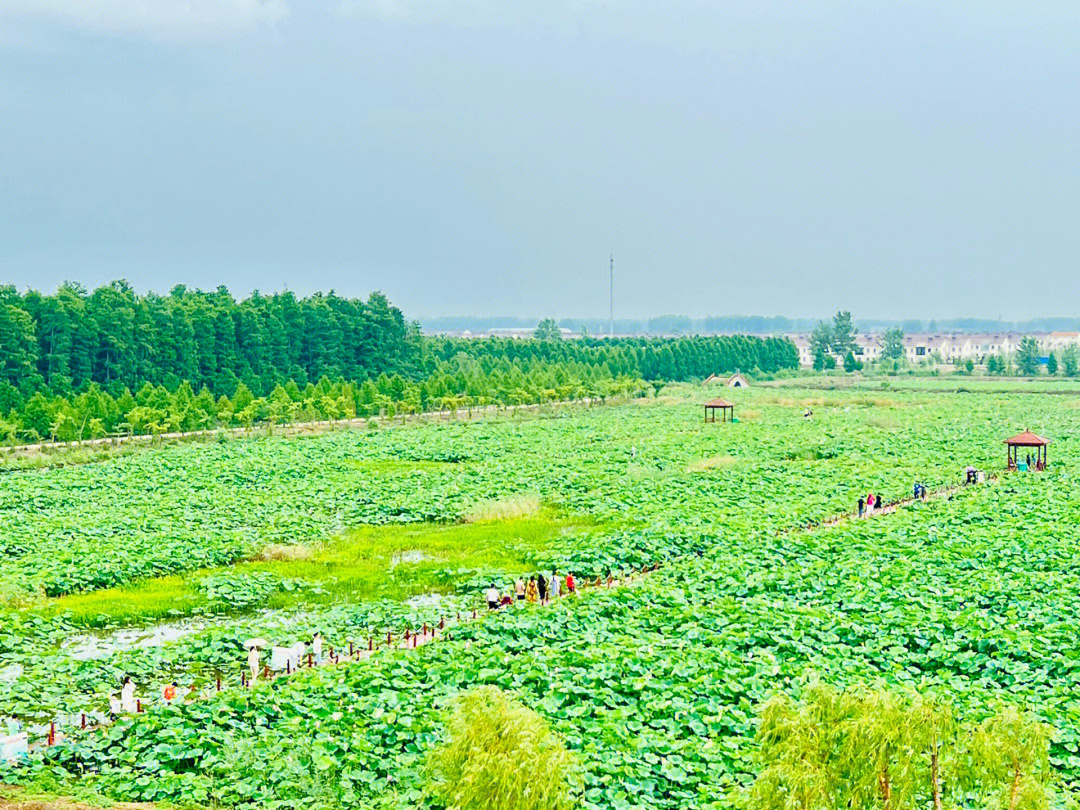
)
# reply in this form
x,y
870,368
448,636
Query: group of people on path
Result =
x,y
284,658
537,589
126,701
868,503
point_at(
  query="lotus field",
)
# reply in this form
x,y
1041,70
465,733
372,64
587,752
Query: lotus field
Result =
x,y
160,563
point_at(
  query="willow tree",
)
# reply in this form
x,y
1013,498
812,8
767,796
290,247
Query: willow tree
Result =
x,y
499,754
798,751
1009,758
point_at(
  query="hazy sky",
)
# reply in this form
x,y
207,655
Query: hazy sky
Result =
x,y
901,159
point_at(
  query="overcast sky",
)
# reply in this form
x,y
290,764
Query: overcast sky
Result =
x,y
901,159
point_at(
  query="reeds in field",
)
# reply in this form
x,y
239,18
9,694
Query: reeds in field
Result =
x,y
515,506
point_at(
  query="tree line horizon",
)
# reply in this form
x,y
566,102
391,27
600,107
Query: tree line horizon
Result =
x,y
84,364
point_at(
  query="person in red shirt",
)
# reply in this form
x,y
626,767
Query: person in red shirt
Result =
x,y
570,584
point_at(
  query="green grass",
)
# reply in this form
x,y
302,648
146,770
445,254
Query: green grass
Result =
x,y
371,562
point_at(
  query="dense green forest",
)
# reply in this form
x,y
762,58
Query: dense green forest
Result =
x,y
80,364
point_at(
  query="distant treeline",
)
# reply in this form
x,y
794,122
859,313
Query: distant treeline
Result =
x,y
671,359
80,364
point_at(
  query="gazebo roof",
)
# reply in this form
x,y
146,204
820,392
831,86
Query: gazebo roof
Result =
x,y
719,403
1027,439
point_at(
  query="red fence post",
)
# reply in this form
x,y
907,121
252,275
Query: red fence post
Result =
x,y
442,623
310,660
388,639
350,649
82,722
425,629
219,683
474,613
138,706
370,644
52,734
266,672
288,666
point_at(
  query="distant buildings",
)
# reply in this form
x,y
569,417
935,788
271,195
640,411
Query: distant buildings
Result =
x,y
947,348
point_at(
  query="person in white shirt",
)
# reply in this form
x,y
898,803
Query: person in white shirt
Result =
x,y
316,647
253,663
127,696
493,597
553,585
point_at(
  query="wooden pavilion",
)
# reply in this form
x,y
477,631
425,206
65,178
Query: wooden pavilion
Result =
x,y
726,409
1027,439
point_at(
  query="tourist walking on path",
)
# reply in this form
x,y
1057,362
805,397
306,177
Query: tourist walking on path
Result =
x,y
253,663
870,504
127,696
541,588
570,584
316,647
519,589
168,694
493,597
862,505
553,585
531,592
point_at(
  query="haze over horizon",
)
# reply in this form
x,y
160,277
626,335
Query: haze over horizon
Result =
x,y
468,157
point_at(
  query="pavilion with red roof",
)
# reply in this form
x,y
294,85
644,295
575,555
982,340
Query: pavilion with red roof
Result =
x,y
726,408
1027,439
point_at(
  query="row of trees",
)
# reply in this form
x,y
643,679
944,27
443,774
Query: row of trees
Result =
x,y
668,359
116,338
154,410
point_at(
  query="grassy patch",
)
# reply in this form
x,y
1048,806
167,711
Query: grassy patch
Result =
x,y
711,463
512,508
371,562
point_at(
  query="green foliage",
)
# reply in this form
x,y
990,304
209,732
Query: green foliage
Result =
x,y
892,343
1070,360
850,363
821,343
1052,364
241,590
842,333
1027,356
498,753
548,329
1009,756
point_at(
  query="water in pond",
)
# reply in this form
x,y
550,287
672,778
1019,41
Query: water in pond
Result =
x,y
90,646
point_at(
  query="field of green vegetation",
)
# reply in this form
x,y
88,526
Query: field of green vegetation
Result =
x,y
653,686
